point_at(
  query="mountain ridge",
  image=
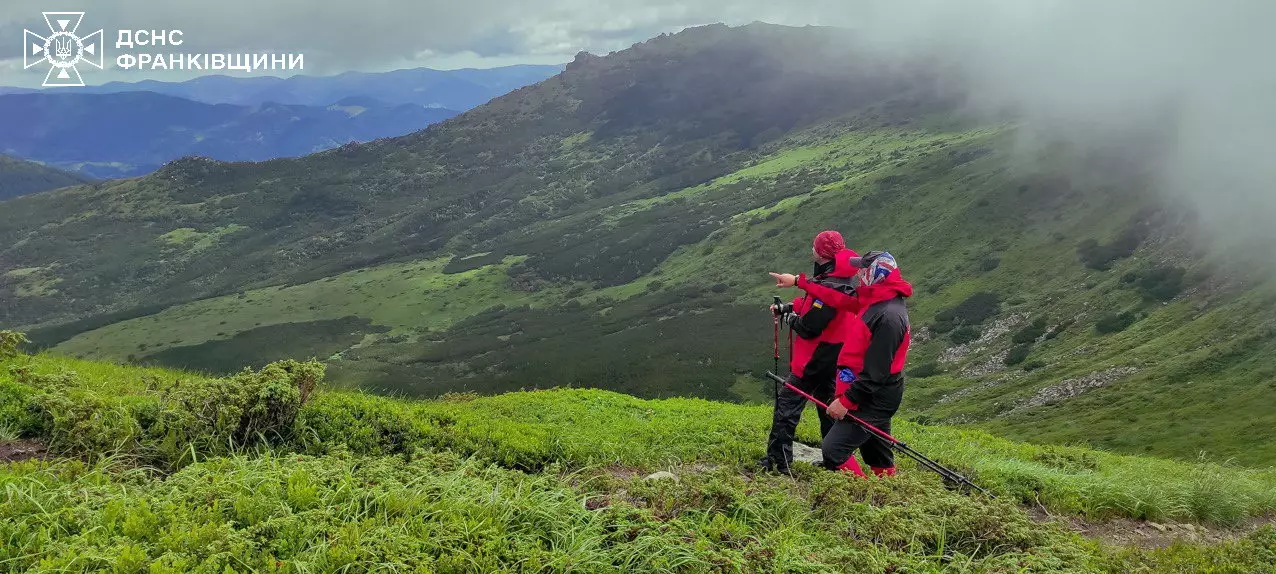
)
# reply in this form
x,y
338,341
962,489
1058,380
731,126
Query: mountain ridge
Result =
x,y
20,177
452,89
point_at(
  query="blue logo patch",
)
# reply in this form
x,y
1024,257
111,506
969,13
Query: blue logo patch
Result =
x,y
845,375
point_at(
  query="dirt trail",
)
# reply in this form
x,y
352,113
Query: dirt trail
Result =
x,y
1149,534
20,450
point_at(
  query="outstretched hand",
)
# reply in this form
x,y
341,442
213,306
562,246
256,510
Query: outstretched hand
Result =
x,y
784,279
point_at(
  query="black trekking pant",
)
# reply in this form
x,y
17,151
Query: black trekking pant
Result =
x,y
846,436
788,412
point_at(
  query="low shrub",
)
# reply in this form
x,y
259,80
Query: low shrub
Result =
x,y
1114,322
245,409
964,334
1058,329
1030,332
1018,354
173,425
10,342
1101,256
927,369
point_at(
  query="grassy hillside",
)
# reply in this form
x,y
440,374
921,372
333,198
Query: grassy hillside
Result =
x,y
612,226
274,471
18,177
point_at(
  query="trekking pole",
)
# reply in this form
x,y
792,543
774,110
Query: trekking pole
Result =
x,y
775,320
943,471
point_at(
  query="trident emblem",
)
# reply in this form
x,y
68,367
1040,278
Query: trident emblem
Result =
x,y
63,50
62,46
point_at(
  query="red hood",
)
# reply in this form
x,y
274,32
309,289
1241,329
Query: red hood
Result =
x,y
893,286
842,265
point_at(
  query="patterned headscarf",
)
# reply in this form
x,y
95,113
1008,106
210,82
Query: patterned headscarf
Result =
x,y
880,265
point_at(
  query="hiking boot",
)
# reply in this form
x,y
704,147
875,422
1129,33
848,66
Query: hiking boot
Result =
x,y
768,465
883,472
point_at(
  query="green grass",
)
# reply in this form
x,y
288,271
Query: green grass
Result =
x,y
591,427
192,242
34,281
549,481
439,512
409,298
585,427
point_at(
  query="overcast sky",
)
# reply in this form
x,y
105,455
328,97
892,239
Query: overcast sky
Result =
x,y
379,35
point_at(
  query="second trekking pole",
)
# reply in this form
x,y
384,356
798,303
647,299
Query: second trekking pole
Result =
x,y
899,445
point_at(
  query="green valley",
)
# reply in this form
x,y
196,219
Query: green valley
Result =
x,y
612,228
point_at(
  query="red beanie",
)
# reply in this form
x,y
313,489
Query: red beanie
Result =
x,y
828,243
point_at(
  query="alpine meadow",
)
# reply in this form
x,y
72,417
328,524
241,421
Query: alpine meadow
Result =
x,y
468,349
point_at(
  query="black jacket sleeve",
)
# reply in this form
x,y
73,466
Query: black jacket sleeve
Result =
x,y
810,324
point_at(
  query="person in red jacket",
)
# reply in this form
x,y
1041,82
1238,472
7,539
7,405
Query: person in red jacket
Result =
x,y
820,330
870,373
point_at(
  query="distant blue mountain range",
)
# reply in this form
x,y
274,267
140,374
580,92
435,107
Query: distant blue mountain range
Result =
x,y
451,89
128,129
133,133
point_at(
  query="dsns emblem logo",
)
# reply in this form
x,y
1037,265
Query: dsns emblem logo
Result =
x,y
62,49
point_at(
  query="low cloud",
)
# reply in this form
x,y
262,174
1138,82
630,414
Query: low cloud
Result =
x,y
1188,83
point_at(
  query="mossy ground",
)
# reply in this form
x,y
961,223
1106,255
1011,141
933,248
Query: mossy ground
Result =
x,y
548,481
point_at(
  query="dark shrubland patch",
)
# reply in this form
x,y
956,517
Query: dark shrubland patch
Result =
x,y
1030,332
463,264
963,334
1101,256
1158,283
923,370
1018,354
259,346
972,311
1114,322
